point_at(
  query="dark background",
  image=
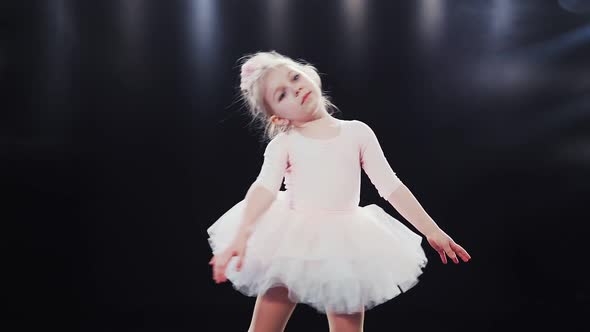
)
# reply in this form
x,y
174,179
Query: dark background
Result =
x,y
122,141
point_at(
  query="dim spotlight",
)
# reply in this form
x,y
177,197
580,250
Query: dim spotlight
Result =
x,y
576,6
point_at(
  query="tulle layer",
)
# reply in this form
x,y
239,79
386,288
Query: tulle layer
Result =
x,y
341,262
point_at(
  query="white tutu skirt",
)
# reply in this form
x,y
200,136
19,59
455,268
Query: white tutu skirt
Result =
x,y
340,262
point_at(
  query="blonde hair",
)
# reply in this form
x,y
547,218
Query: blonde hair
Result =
x,y
254,67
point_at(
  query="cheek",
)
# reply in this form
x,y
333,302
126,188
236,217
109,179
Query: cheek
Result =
x,y
295,105
285,111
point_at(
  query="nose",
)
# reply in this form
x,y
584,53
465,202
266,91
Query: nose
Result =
x,y
298,90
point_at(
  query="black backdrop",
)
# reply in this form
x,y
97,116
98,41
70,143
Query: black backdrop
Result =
x,y
122,142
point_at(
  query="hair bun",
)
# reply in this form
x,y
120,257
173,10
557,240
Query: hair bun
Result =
x,y
252,68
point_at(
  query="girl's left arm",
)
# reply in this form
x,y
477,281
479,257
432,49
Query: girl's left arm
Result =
x,y
408,206
392,188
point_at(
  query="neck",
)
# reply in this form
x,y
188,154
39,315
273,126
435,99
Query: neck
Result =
x,y
322,118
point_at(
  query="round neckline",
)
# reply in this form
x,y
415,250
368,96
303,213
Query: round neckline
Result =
x,y
321,140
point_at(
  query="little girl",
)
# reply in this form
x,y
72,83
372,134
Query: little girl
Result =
x,y
312,243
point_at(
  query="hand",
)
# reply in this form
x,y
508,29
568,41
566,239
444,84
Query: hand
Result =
x,y
220,261
443,244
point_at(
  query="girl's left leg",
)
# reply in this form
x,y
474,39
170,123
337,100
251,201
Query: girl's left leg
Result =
x,y
346,322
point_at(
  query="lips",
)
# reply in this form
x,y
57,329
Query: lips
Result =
x,y
305,97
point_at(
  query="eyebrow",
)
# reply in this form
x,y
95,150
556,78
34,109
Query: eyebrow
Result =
x,y
275,92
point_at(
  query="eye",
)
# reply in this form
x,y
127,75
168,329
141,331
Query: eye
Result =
x,y
295,77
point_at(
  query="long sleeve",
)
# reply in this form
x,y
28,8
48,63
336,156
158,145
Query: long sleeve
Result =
x,y
375,164
274,165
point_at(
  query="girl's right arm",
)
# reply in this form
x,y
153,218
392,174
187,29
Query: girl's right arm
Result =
x,y
263,191
258,199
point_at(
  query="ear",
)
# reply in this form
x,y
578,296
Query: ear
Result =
x,y
279,121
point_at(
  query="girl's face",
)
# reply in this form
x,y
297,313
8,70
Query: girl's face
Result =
x,y
291,94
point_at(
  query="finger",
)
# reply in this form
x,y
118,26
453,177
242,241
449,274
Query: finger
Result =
x,y
240,262
214,268
443,258
221,264
216,273
461,252
464,255
220,274
452,255
241,256
223,270
220,267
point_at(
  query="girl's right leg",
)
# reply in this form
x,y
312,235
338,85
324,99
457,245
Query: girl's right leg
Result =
x,y
272,311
